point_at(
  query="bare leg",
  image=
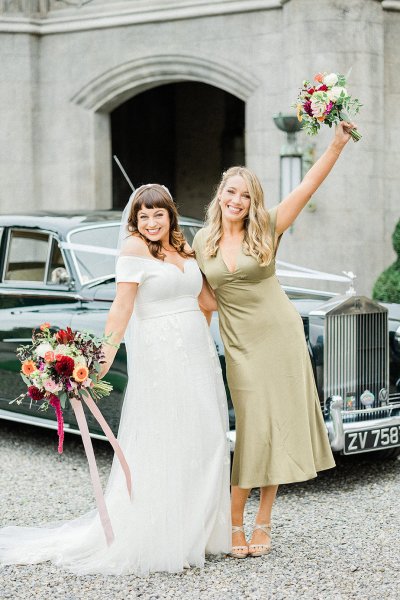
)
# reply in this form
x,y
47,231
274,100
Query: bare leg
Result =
x,y
238,502
267,498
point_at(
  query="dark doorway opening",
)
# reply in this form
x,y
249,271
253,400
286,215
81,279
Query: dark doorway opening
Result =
x,y
182,135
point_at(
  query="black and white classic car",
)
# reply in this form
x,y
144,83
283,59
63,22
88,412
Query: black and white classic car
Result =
x,y
59,268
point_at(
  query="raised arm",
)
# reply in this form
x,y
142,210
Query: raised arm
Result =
x,y
117,321
293,204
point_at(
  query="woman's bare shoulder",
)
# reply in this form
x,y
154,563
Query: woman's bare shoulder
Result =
x,y
134,246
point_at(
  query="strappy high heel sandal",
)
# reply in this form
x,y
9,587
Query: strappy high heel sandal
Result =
x,y
261,549
239,551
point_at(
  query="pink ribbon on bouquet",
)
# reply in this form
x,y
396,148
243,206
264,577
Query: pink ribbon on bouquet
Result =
x,y
94,473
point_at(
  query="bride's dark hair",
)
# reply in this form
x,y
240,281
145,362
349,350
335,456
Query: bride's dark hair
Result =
x,y
157,196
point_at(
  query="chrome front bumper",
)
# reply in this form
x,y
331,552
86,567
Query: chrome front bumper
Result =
x,y
337,426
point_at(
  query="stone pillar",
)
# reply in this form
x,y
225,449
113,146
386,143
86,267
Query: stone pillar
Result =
x,y
346,230
18,106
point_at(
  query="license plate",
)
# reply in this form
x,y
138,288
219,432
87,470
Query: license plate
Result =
x,y
371,439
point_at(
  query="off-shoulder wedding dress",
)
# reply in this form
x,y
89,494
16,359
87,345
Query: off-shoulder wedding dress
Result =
x,y
173,434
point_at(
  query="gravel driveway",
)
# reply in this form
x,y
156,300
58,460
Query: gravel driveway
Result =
x,y
335,537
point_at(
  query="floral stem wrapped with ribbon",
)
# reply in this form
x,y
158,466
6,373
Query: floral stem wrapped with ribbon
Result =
x,y
326,101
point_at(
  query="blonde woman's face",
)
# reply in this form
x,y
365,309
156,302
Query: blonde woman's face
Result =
x,y
234,199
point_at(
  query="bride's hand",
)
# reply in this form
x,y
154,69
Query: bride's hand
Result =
x,y
109,355
105,367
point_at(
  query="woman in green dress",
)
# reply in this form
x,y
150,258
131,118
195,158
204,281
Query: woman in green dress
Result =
x,y
280,432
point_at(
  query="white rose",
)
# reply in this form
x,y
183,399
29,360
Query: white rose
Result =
x,y
43,348
335,92
330,80
61,349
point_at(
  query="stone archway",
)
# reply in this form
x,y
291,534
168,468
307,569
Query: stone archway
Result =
x,y
180,134
112,88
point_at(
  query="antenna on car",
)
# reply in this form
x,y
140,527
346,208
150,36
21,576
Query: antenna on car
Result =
x,y
124,173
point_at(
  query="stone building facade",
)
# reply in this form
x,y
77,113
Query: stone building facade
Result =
x,y
181,89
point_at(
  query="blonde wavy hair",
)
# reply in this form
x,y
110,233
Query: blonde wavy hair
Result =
x,y
257,241
154,195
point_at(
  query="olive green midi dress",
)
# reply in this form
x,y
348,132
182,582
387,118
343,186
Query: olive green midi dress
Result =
x,y
280,433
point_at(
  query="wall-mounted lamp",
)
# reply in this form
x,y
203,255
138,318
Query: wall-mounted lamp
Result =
x,y
291,154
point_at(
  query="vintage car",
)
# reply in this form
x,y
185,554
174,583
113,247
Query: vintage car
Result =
x,y
59,268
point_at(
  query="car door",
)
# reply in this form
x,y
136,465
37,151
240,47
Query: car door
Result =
x,y
33,289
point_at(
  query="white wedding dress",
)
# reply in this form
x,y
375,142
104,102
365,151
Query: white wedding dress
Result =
x,y
173,434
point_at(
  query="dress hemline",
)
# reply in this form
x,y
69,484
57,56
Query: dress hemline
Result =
x,y
284,482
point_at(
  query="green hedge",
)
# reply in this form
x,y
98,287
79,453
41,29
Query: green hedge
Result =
x,y
387,286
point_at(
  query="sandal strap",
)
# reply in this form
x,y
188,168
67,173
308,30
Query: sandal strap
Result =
x,y
265,528
236,548
236,528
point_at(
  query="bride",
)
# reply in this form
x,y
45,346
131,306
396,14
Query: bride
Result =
x,y
173,422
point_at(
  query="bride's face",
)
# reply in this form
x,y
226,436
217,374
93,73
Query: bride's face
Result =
x,y
154,224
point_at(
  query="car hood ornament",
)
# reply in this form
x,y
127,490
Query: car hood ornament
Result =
x,y
352,290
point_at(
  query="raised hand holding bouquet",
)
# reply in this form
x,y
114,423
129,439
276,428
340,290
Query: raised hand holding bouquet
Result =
x,y
65,366
326,101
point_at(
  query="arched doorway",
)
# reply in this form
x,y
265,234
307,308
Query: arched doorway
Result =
x,y
180,134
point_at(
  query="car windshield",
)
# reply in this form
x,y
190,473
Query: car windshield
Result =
x,y
94,265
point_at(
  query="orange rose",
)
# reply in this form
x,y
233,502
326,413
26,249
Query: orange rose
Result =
x,y
28,367
319,77
80,373
49,356
44,326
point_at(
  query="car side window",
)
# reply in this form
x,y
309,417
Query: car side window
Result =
x,y
34,256
57,273
27,256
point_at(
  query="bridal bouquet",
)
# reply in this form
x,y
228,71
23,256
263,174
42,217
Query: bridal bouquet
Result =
x,y
326,100
62,366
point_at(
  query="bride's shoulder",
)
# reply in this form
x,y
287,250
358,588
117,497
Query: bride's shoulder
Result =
x,y
136,247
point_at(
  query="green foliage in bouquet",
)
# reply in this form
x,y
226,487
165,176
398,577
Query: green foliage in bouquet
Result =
x,y
387,286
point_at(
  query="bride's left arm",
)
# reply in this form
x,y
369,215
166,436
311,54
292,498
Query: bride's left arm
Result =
x,y
292,205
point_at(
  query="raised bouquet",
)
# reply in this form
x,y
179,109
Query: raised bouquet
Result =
x,y
62,366
326,101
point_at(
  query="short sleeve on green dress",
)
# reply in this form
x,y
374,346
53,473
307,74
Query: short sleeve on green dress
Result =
x,y
198,248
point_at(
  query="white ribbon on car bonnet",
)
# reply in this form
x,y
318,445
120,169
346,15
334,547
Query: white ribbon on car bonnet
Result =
x,y
291,270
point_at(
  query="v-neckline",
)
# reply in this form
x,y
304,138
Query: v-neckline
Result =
x,y
236,261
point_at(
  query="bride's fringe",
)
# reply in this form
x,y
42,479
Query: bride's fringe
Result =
x,y
258,241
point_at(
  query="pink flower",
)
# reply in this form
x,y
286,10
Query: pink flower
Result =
x,y
49,356
51,386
